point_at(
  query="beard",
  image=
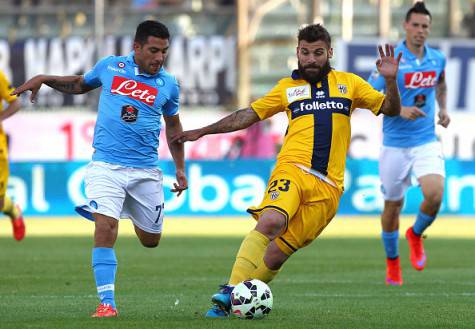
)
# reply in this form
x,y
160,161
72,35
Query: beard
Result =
x,y
314,77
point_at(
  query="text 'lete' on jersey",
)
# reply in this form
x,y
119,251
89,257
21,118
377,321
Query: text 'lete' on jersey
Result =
x,y
130,108
417,81
319,114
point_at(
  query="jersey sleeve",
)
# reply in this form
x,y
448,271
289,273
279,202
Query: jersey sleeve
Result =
x,y
269,104
376,80
171,106
365,96
93,77
5,89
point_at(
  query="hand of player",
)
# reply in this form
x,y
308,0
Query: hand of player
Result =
x,y
182,183
444,119
187,136
34,84
411,112
388,65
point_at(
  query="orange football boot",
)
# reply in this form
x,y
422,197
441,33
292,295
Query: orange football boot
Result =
x,y
105,311
416,248
18,225
393,272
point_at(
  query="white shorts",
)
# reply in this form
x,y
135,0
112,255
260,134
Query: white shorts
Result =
x,y
124,192
397,167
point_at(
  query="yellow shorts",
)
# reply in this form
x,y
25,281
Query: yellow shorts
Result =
x,y
4,171
307,203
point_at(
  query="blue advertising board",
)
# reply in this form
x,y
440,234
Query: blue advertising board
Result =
x,y
224,188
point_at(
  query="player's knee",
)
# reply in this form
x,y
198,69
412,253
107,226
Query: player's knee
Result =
x,y
150,244
271,225
150,241
393,208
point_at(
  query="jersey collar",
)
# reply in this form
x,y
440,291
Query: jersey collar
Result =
x,y
295,75
130,59
408,54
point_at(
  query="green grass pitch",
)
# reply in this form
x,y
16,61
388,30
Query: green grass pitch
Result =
x,y
47,282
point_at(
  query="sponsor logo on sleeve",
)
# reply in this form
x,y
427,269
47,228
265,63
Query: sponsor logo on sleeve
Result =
x,y
296,93
134,89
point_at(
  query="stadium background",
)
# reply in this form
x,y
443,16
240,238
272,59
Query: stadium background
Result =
x,y
224,53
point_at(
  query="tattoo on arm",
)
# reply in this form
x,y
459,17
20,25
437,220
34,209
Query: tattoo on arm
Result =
x,y
392,102
441,92
237,120
68,84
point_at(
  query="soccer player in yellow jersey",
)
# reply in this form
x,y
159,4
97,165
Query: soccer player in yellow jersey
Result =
x,y
6,204
304,189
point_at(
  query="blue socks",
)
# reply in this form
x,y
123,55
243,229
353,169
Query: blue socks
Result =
x,y
104,264
391,244
423,221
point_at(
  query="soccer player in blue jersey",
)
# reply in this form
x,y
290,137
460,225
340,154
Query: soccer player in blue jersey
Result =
x,y
410,146
123,179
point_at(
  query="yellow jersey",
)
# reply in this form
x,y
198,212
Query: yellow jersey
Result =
x,y
5,89
319,131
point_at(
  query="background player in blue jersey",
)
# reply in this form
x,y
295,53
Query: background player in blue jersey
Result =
x,y
123,179
410,147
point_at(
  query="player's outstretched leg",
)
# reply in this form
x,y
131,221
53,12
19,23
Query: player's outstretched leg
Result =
x,y
14,212
416,249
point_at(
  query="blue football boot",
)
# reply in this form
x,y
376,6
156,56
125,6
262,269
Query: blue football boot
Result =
x,y
216,312
222,303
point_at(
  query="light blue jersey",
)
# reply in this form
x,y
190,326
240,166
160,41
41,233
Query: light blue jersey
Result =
x,y
129,111
417,82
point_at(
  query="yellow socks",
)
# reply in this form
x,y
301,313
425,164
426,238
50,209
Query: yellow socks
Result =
x,y
9,208
263,273
249,257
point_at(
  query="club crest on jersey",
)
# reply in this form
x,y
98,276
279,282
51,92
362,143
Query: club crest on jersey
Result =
x,y
121,65
129,113
134,89
296,93
342,89
160,82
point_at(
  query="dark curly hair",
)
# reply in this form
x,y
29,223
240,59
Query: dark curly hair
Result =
x,y
315,32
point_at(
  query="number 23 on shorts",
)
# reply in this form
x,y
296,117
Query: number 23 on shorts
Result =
x,y
279,184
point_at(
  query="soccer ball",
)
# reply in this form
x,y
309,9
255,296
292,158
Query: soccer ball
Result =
x,y
251,299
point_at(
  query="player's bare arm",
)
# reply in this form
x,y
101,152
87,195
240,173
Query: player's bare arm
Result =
x,y
173,127
441,96
73,84
388,67
237,120
12,108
